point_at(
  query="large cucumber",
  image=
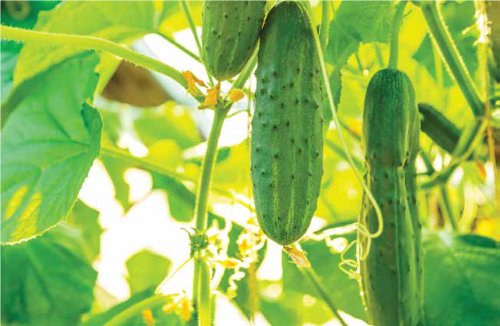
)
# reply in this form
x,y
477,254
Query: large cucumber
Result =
x,y
287,137
391,274
229,34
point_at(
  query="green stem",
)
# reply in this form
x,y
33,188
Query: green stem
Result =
x,y
378,53
172,41
149,303
92,43
451,56
325,24
204,298
192,27
314,279
360,64
206,169
447,207
396,26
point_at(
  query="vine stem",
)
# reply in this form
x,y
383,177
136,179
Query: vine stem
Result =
x,y
201,283
314,279
92,43
447,206
192,27
396,26
449,52
151,302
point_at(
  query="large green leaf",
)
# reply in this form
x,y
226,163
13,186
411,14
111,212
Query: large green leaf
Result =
x,y
48,145
119,21
44,283
461,280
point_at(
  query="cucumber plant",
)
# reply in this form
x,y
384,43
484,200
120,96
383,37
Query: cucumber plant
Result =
x,y
52,134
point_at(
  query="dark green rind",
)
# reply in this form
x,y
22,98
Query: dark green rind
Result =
x,y
287,136
391,274
229,34
441,130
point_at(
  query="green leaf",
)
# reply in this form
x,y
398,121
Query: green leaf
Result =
x,y
44,283
23,15
458,16
48,144
461,280
146,269
343,291
167,122
86,220
116,169
181,200
355,22
119,21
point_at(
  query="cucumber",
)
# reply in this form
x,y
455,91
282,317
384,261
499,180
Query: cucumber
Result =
x,y
287,136
391,274
229,34
441,130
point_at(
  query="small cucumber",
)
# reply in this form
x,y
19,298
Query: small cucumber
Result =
x,y
229,34
287,136
391,274
441,130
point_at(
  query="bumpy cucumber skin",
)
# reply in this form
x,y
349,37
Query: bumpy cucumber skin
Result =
x,y
229,34
441,130
392,274
287,136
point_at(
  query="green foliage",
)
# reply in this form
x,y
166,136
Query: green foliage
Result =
x,y
355,22
146,269
48,145
459,279
52,134
459,17
45,281
19,14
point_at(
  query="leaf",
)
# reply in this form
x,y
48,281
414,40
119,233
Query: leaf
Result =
x,y
146,269
343,291
116,169
86,220
48,145
169,121
461,280
43,283
10,50
119,21
355,22
458,17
